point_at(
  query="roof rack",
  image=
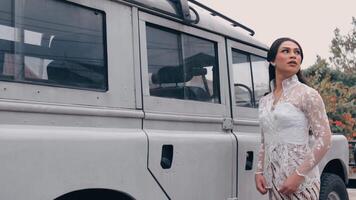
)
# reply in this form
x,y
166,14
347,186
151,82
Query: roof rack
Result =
x,y
183,10
214,13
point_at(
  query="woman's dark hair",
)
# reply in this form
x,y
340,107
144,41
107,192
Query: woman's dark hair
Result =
x,y
271,55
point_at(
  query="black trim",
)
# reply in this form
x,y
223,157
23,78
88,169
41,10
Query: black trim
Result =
x,y
105,42
252,82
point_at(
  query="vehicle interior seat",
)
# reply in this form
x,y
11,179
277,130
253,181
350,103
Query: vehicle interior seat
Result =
x,y
73,63
166,76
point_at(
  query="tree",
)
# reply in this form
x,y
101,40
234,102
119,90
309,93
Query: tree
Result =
x,y
337,84
343,49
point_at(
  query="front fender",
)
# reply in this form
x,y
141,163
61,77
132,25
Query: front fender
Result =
x,y
338,154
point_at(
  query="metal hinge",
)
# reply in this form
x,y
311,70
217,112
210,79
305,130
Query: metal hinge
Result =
x,y
227,124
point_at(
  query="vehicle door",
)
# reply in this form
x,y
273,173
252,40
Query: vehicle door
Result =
x,y
69,121
249,81
185,101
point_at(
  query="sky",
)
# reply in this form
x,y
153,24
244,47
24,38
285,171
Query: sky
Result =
x,y
310,22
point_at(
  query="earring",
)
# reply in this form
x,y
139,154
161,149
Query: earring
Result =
x,y
273,64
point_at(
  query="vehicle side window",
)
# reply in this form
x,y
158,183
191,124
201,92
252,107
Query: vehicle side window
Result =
x,y
242,79
182,66
260,77
251,78
52,42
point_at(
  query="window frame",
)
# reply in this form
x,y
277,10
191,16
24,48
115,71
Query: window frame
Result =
x,y
252,71
120,56
248,55
182,50
23,54
243,115
174,107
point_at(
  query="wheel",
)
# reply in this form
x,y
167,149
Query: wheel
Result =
x,y
95,194
332,188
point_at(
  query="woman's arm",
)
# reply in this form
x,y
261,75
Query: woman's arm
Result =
x,y
261,155
260,180
314,109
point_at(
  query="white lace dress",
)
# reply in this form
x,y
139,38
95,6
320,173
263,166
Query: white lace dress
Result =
x,y
285,145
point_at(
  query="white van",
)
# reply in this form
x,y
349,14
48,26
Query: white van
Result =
x,y
133,99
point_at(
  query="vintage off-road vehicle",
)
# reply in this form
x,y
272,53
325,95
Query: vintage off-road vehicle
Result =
x,y
133,99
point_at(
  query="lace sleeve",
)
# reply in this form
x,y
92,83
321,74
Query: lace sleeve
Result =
x,y
314,109
261,154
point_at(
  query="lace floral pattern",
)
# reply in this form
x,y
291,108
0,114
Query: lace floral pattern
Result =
x,y
285,128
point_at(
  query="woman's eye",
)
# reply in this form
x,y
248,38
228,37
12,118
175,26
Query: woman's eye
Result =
x,y
285,51
297,52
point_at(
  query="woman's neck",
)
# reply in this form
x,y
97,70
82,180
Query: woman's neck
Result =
x,y
278,81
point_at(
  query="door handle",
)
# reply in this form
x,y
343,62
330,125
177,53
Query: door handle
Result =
x,y
167,156
249,160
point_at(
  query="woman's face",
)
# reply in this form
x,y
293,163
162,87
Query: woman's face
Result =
x,y
288,59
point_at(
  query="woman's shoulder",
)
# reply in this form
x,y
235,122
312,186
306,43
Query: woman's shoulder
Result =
x,y
308,93
304,89
264,98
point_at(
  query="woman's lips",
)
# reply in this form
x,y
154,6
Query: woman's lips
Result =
x,y
292,63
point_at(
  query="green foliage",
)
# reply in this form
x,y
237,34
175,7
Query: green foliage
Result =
x,y
336,82
343,49
322,68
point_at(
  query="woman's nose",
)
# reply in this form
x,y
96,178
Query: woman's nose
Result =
x,y
293,55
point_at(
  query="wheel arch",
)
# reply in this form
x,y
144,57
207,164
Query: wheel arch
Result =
x,y
337,167
95,194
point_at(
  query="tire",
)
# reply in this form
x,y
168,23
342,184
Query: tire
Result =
x,y
332,188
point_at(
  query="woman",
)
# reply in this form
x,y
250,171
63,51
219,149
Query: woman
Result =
x,y
287,165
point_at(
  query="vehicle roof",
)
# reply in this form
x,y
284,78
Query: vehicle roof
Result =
x,y
207,20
